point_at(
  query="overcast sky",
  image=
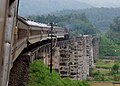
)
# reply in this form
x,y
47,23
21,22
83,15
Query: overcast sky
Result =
x,y
102,3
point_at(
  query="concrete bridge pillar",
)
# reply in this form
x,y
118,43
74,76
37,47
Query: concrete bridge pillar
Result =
x,y
44,49
19,71
49,49
56,58
47,59
39,52
36,54
32,57
60,45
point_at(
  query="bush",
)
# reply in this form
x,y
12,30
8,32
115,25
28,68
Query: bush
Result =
x,y
39,75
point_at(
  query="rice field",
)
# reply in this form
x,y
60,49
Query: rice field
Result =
x,y
102,72
103,84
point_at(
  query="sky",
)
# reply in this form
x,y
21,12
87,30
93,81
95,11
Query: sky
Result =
x,y
102,3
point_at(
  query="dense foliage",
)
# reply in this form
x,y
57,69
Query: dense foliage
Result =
x,y
100,17
108,47
114,32
115,68
39,75
76,23
110,41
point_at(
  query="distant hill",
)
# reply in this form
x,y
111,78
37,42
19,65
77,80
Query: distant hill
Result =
x,y
100,17
38,7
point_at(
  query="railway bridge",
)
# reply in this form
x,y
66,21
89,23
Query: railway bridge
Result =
x,y
23,41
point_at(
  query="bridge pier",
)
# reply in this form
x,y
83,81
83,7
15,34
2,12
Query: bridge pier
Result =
x,y
19,71
56,59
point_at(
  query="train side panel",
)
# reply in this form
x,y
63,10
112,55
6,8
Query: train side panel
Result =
x,y
20,38
35,34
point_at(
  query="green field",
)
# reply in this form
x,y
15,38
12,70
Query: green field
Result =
x,y
103,70
105,64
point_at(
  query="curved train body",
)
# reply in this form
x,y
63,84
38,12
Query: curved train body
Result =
x,y
30,32
17,33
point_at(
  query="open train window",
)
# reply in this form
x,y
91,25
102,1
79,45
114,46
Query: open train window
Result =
x,y
10,8
11,1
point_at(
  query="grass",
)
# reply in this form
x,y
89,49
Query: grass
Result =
x,y
101,71
39,76
104,64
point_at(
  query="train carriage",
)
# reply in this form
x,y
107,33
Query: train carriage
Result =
x,y
20,37
35,32
59,31
38,31
15,34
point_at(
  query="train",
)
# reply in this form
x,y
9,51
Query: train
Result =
x,y
28,32
17,33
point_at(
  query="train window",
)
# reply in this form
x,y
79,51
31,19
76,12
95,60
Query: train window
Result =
x,y
45,32
22,33
11,1
11,8
34,32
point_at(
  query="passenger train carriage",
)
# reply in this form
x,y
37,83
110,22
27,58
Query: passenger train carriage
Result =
x,y
17,33
29,32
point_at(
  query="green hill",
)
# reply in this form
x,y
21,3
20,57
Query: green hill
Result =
x,y
110,41
39,75
100,17
38,7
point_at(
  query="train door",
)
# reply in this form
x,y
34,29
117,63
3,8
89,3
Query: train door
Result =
x,y
7,22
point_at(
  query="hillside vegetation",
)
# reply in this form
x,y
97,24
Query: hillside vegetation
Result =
x,y
39,75
99,17
108,47
110,41
114,32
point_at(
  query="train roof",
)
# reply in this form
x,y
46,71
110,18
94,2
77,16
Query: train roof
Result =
x,y
35,24
22,19
32,23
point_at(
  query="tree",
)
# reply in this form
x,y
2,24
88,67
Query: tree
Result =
x,y
114,31
115,68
